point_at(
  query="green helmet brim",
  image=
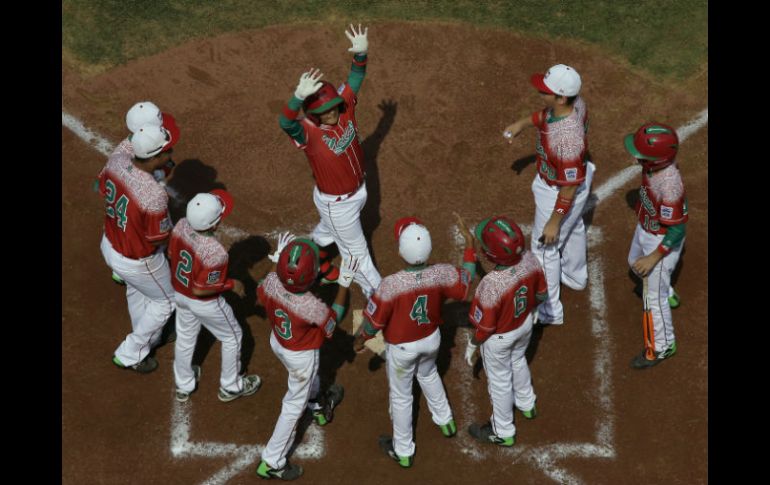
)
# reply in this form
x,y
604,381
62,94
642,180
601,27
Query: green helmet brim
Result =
x,y
327,106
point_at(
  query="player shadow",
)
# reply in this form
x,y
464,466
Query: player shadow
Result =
x,y
519,165
370,214
632,197
243,255
338,350
189,177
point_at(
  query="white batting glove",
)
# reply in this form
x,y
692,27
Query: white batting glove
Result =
x,y
358,39
470,351
347,271
308,83
283,240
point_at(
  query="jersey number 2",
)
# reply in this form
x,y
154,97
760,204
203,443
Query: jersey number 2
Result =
x,y
119,208
284,331
184,266
419,311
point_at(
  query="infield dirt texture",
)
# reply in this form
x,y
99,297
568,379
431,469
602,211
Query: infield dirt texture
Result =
x,y
431,112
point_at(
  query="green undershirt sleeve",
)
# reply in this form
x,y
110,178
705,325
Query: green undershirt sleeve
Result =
x,y
293,128
357,73
674,236
471,268
340,310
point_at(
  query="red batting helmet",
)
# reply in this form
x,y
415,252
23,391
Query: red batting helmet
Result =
x,y
654,145
501,239
298,265
322,100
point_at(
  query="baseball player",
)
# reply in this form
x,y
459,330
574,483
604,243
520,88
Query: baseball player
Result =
x,y
407,308
300,322
328,134
136,225
199,264
140,114
660,231
561,186
502,314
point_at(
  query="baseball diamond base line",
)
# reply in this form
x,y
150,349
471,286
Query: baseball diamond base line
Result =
x,y
543,458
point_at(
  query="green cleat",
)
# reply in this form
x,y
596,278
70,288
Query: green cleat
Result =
x,y
484,434
531,414
673,300
386,445
449,429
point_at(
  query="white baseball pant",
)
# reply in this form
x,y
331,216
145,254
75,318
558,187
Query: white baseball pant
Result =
x,y
304,384
217,316
508,378
150,300
341,224
404,362
565,261
658,284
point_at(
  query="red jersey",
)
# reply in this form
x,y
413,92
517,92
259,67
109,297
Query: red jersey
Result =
x,y
197,261
300,321
662,200
562,145
407,304
334,152
137,206
504,298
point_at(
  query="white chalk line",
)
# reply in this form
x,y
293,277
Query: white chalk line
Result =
x,y
312,446
543,457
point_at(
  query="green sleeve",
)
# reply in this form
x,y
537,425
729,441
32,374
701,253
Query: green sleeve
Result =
x,y
340,310
674,236
471,268
293,128
357,72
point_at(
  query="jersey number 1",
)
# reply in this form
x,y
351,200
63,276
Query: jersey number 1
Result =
x,y
419,311
120,207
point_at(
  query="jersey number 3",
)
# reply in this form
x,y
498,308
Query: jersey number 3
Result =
x,y
284,331
419,311
119,208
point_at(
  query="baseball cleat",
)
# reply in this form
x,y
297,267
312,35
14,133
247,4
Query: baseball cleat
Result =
x,y
329,273
484,434
183,396
250,386
449,429
386,445
673,300
289,471
642,362
531,414
324,415
117,279
146,366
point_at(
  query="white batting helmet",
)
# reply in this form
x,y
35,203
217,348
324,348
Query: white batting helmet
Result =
x,y
204,211
143,113
414,244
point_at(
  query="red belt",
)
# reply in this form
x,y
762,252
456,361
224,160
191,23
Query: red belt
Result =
x,y
347,196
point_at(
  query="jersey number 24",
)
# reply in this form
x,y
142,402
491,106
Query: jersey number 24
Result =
x,y
116,209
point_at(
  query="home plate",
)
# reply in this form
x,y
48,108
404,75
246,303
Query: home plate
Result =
x,y
375,344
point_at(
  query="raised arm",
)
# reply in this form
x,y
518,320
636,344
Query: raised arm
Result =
x,y
359,48
309,83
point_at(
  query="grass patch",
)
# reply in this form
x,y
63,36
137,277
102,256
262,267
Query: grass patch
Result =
x,y
664,37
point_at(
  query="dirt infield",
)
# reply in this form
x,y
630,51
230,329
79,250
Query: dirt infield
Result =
x,y
431,112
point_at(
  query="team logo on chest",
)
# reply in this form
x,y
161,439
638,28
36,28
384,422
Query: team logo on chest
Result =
x,y
339,145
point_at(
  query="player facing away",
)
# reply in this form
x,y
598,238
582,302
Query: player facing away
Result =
x,y
407,308
561,186
136,226
300,323
199,263
502,314
328,134
660,232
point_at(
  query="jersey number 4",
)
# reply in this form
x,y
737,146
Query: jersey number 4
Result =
x,y
419,311
116,209
184,266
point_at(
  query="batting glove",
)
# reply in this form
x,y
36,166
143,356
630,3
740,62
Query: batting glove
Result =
x,y
347,271
308,83
470,351
283,240
358,39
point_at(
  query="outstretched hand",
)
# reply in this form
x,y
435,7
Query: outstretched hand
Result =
x,y
348,270
309,83
283,240
358,39
466,234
